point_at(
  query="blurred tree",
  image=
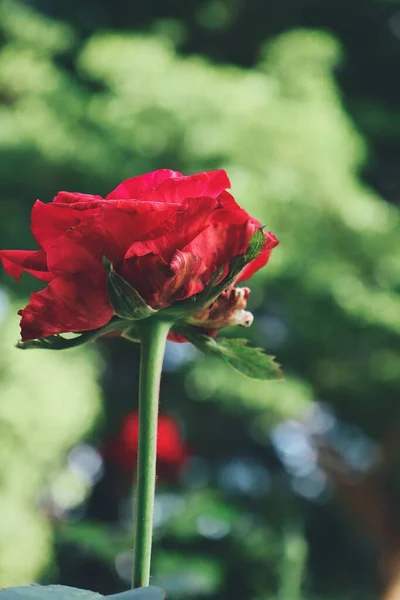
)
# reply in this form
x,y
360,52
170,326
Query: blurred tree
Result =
x,y
233,30
48,402
86,116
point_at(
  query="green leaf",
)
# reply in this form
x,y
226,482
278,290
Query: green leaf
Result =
x,y
249,361
125,300
61,592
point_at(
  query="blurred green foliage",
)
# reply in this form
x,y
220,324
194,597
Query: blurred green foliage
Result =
x,y
48,402
83,115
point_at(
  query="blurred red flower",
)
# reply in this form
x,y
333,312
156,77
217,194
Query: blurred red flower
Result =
x,y
172,450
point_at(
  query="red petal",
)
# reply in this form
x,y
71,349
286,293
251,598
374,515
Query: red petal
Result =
x,y
218,244
270,243
49,221
136,187
172,187
110,232
177,190
160,283
15,262
149,275
75,197
203,239
232,212
79,249
125,223
193,217
78,303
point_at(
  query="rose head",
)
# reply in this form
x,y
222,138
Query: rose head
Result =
x,y
166,235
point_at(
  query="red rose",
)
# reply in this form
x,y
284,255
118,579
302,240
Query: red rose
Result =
x,y
164,233
172,451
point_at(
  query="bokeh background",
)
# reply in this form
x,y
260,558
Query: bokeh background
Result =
x,y
267,490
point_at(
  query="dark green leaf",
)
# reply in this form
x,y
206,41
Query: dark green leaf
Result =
x,y
56,342
125,300
252,362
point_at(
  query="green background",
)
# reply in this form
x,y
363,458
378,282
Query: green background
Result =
x,y
292,489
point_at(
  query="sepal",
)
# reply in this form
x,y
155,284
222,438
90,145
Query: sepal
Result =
x,y
125,300
60,342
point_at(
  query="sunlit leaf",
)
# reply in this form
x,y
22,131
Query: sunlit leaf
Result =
x,y
249,361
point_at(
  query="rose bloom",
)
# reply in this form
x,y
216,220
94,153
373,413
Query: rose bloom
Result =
x,y
172,450
165,233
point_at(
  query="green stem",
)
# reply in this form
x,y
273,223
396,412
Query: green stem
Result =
x,y
153,336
